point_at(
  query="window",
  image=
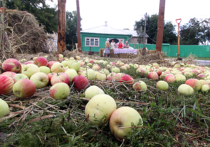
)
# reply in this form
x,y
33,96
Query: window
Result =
x,y
89,41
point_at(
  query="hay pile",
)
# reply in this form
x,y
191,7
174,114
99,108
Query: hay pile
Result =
x,y
21,33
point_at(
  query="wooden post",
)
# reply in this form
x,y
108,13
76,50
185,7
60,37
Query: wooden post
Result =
x,y
159,40
61,25
78,28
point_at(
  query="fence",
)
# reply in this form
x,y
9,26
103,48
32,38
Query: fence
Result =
x,y
185,50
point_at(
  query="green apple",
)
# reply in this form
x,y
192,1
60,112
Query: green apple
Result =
x,y
100,76
105,71
44,69
18,77
71,73
180,78
65,63
205,88
99,109
59,91
90,74
185,89
75,65
4,108
40,79
57,67
92,91
140,85
162,85
115,70
30,69
121,121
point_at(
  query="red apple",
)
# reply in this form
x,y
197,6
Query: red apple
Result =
x,y
24,88
9,73
6,84
28,62
152,75
41,61
194,83
127,79
50,75
80,82
169,78
12,65
60,77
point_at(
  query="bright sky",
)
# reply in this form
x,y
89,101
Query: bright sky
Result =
x,y
121,14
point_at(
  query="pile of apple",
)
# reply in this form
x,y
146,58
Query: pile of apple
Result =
x,y
102,108
24,78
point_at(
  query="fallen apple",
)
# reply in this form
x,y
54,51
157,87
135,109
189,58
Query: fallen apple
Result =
x,y
185,89
162,85
4,108
40,79
99,109
6,84
12,65
59,91
80,82
92,91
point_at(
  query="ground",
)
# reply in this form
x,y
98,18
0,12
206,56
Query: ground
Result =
x,y
170,119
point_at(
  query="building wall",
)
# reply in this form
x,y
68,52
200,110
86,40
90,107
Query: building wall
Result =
x,y
135,40
102,40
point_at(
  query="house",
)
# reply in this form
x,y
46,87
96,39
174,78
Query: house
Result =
x,y
94,38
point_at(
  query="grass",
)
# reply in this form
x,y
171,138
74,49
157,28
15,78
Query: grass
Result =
x,y
170,119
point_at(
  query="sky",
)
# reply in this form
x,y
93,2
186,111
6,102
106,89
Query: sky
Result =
x,y
122,14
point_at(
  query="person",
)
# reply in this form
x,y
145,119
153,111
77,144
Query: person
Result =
x,y
126,45
112,44
107,47
120,45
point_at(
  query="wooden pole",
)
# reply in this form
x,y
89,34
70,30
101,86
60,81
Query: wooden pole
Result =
x,y
78,28
61,25
159,40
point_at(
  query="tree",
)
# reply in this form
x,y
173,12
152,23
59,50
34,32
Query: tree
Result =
x,y
195,32
46,15
169,35
71,29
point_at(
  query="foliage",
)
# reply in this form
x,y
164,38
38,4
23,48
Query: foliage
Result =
x,y
71,29
46,15
151,29
195,32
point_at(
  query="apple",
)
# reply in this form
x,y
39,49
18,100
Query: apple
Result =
x,y
188,74
49,64
59,91
169,78
18,77
205,88
60,56
201,76
77,57
75,65
30,69
121,121
57,67
99,109
9,73
100,76
71,73
105,71
152,75
185,89
40,61
24,88
115,70
194,83
80,82
4,108
158,71
71,58
44,69
28,62
113,77
60,78
96,67
6,84
40,79
90,74
162,85
180,78
140,85
92,91
65,63
12,65
155,65
127,79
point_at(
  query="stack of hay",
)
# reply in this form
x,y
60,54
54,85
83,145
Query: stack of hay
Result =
x,y
22,33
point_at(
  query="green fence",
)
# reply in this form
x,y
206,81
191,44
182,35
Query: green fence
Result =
x,y
185,50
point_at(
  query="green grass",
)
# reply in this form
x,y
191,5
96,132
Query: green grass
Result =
x,y
169,119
